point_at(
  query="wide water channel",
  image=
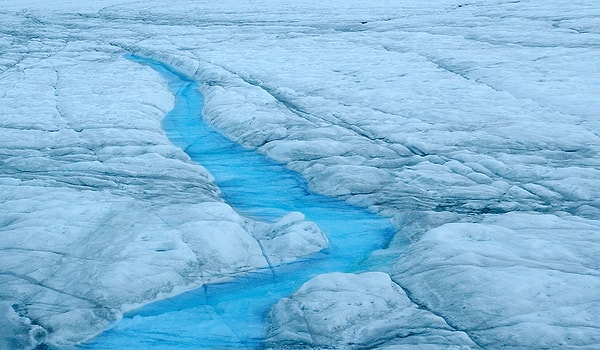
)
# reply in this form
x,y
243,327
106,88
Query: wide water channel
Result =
x,y
232,314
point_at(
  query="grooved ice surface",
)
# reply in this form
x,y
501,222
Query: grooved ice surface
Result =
x,y
474,125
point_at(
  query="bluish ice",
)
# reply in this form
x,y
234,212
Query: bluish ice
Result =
x,y
474,125
231,314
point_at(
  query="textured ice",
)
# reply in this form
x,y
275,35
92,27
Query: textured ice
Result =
x,y
231,314
511,281
479,117
335,311
99,211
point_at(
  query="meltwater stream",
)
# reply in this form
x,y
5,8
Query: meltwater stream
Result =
x,y
231,315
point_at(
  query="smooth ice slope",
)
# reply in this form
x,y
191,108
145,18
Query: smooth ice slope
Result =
x,y
437,112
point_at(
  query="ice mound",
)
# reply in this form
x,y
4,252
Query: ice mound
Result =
x,y
340,310
512,281
289,238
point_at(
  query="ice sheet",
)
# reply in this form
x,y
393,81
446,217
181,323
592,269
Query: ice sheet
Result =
x,y
434,113
512,281
232,314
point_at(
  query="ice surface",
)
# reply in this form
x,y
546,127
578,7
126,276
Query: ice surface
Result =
x,y
99,211
231,314
357,311
515,280
434,113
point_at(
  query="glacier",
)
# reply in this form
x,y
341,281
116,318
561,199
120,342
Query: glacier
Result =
x,y
231,314
473,125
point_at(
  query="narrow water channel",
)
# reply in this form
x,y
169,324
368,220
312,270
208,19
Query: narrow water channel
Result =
x,y
231,315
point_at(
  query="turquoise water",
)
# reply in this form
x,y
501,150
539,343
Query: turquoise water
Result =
x,y
231,315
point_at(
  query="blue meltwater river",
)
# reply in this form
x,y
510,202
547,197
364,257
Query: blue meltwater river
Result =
x,y
232,314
